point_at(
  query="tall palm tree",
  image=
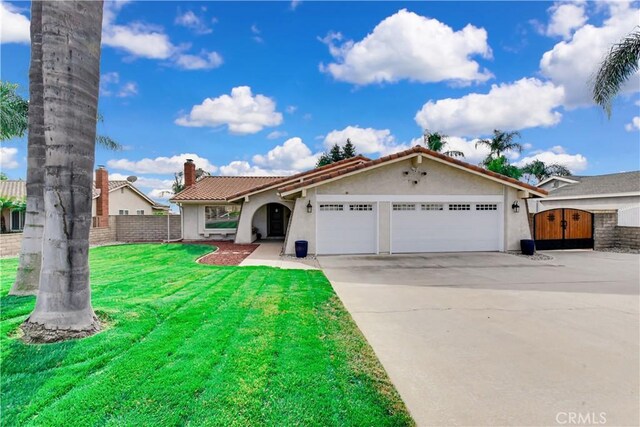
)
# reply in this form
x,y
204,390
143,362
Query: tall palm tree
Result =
x,y
541,171
71,35
500,143
435,141
620,63
13,120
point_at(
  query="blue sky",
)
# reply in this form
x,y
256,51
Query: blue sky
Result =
x,y
263,88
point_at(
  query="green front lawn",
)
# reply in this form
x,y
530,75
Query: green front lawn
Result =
x,y
190,344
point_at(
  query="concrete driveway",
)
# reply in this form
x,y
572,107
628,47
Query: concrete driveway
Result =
x,y
495,339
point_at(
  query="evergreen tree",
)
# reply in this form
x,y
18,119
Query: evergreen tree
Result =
x,y
349,150
336,153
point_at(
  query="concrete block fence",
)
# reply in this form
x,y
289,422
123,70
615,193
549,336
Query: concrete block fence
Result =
x,y
146,228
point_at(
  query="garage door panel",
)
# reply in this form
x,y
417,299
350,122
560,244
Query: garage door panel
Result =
x,y
347,228
455,227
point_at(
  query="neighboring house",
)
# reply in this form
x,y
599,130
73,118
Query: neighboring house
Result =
x,y
617,191
122,198
11,219
413,201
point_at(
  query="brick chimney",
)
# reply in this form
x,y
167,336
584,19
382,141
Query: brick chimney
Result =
x,y
102,202
189,173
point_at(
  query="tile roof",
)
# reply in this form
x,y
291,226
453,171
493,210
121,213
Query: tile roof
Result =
x,y
113,185
221,187
626,182
415,150
13,189
301,175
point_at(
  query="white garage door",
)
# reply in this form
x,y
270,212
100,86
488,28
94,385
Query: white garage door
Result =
x,y
445,227
347,228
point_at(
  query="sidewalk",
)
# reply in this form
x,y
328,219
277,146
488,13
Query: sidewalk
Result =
x,y
268,254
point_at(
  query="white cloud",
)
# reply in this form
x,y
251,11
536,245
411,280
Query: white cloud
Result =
x,y
573,63
242,112
161,165
193,22
556,155
15,26
276,134
292,155
144,182
110,85
292,109
8,158
634,125
523,104
150,41
242,168
409,46
256,33
566,17
294,4
366,140
161,193
205,61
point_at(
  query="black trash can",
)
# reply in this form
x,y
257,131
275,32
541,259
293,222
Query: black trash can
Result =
x,y
527,246
302,246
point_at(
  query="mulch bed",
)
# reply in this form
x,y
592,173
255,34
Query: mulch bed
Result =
x,y
228,253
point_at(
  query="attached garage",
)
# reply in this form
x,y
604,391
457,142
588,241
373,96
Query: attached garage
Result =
x,y
347,228
459,226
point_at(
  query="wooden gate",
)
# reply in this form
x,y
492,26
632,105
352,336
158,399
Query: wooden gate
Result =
x,y
563,228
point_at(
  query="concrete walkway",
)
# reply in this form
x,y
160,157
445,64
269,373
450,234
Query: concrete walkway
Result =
x,y
268,254
495,339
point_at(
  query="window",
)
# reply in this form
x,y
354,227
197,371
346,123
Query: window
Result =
x,y
17,220
487,207
361,207
123,212
459,207
140,212
432,207
404,207
221,216
331,207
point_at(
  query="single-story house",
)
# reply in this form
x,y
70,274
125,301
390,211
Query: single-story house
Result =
x,y
115,197
616,191
416,200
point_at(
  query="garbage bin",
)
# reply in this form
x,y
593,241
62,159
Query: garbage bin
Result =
x,y
302,246
527,246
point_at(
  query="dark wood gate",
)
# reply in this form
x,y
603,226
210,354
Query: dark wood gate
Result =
x,y
563,228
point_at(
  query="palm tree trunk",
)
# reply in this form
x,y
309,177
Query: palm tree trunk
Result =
x,y
71,34
28,275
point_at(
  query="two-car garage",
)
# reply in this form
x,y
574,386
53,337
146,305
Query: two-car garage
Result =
x,y
417,226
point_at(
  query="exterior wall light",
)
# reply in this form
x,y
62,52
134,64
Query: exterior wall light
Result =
x,y
309,207
515,207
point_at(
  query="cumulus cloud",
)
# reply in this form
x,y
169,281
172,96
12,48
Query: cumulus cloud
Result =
x,y
195,23
161,165
409,46
142,40
523,104
366,140
8,158
573,63
634,125
565,18
242,112
243,168
144,181
292,155
15,26
110,86
556,155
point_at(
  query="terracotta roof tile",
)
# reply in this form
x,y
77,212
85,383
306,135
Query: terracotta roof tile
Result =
x,y
13,189
415,150
221,187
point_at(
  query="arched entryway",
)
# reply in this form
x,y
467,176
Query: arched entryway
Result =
x,y
270,221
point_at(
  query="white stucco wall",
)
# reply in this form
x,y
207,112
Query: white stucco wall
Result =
x,y
388,180
254,213
125,198
193,224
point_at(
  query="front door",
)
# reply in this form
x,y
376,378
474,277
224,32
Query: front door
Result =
x,y
275,220
563,229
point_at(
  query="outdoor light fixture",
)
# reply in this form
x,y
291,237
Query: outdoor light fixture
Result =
x,y
515,206
309,207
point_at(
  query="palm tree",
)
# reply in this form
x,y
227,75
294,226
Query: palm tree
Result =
x,y
13,120
435,141
620,63
70,49
500,143
541,171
